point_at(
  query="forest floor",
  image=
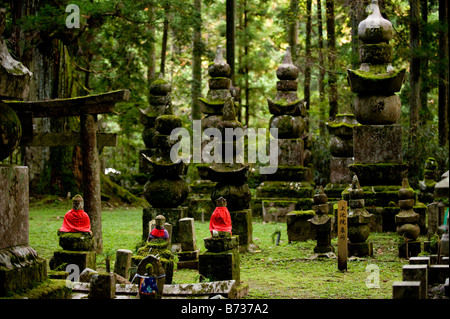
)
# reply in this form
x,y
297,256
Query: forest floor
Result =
x,y
286,270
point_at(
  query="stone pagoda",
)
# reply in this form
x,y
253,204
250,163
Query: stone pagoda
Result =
x,y
341,149
219,70
358,222
159,98
378,160
323,224
166,190
231,175
407,223
289,188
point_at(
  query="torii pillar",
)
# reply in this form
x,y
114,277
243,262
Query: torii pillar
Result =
x,y
87,108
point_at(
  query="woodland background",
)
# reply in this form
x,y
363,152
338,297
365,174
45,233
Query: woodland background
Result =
x,y
125,44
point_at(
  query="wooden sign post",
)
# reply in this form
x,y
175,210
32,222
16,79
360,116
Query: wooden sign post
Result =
x,y
342,235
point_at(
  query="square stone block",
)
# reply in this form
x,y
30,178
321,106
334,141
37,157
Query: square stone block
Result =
x,y
410,249
201,207
188,255
422,260
276,210
417,273
339,171
83,259
360,249
406,290
220,266
220,244
290,152
241,222
19,268
13,206
298,226
188,264
377,144
102,286
437,274
186,234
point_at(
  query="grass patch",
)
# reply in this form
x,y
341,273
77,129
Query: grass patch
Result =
x,y
283,271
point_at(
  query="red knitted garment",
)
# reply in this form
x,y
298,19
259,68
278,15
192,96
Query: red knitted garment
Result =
x,y
76,221
220,220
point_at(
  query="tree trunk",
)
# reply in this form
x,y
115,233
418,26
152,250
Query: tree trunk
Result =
x,y
293,30
425,114
332,77
322,72
196,87
231,34
151,62
443,74
414,73
164,41
307,85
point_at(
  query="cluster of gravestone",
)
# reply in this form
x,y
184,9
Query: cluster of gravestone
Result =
x,y
367,171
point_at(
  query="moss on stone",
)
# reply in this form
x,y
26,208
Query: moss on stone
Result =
x,y
303,212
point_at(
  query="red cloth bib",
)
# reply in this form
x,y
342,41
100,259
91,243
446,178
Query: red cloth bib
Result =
x,y
220,220
157,232
76,221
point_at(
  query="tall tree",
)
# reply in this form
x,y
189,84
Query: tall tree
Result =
x,y
151,62
425,114
231,35
197,50
414,70
331,46
293,29
443,74
322,70
165,36
308,58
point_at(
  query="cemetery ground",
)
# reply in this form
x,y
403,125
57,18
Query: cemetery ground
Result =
x,y
274,271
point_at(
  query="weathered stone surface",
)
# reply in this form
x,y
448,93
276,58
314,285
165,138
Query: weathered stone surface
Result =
x,y
377,109
290,152
379,174
437,274
238,196
220,244
20,266
123,262
76,241
377,144
341,147
166,193
375,28
102,286
13,206
10,131
83,259
186,234
288,126
298,226
417,273
277,210
406,290
220,266
339,171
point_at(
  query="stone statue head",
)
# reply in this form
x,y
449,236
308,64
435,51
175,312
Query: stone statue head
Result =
x,y
221,202
77,202
160,220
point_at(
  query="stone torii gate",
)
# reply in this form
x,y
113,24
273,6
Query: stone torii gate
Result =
x,y
90,140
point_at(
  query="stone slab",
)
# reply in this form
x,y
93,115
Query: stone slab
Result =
x,y
13,206
437,274
417,273
220,266
377,144
339,171
102,286
188,264
20,266
277,210
186,234
298,226
406,290
242,226
83,259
